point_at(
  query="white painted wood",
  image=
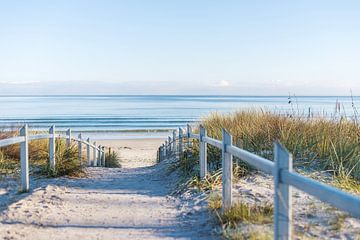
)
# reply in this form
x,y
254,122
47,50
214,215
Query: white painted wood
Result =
x,y
227,173
80,149
10,141
340,199
189,142
174,148
283,194
52,147
170,141
24,160
254,160
99,156
68,138
213,142
203,153
181,142
188,133
94,163
39,136
88,152
103,156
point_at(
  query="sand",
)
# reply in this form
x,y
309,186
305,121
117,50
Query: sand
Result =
x,y
132,202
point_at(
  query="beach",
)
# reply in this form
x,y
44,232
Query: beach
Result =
x,y
110,203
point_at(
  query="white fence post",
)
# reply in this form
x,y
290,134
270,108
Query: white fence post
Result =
x,y
94,155
169,140
88,152
181,142
103,156
99,156
52,146
166,149
68,138
24,160
227,165
189,131
174,142
80,149
203,153
163,152
283,194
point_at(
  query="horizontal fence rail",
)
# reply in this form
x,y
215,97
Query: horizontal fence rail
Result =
x,y
98,158
281,169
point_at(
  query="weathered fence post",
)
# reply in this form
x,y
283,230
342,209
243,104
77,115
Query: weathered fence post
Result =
x,y
163,152
166,149
99,156
88,152
24,160
174,142
181,142
282,201
80,149
52,146
169,148
203,153
226,171
189,131
103,156
94,155
68,138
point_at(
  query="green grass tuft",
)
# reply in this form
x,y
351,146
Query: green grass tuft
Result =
x,y
112,160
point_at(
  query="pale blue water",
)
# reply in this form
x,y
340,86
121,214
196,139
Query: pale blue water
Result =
x,y
119,113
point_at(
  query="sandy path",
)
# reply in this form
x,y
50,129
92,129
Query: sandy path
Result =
x,y
127,203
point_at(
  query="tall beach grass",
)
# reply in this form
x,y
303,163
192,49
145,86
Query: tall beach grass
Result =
x,y
327,144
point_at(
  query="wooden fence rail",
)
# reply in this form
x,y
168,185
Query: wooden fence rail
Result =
x,y
24,138
281,169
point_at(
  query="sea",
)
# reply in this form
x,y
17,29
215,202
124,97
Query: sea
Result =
x,y
137,116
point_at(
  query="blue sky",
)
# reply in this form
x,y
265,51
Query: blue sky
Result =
x,y
180,47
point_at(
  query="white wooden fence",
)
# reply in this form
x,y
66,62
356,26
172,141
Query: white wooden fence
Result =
x,y
24,138
280,168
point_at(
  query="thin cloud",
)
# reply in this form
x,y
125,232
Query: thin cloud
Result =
x,y
222,83
18,82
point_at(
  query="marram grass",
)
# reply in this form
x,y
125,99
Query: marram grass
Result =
x,y
327,144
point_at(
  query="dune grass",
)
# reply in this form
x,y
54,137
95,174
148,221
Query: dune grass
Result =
x,y
112,159
241,212
326,144
67,162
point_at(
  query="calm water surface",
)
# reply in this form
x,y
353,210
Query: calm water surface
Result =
x,y
133,113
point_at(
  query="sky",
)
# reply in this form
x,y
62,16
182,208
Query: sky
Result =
x,y
180,47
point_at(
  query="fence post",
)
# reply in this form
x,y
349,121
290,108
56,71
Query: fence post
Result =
x,y
189,130
103,156
181,142
24,160
203,153
88,152
174,142
68,138
94,155
52,146
226,171
80,149
169,141
283,192
163,152
166,148
99,156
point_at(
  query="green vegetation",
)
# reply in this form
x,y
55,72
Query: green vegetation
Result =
x,y
67,159
241,213
67,162
112,160
328,144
